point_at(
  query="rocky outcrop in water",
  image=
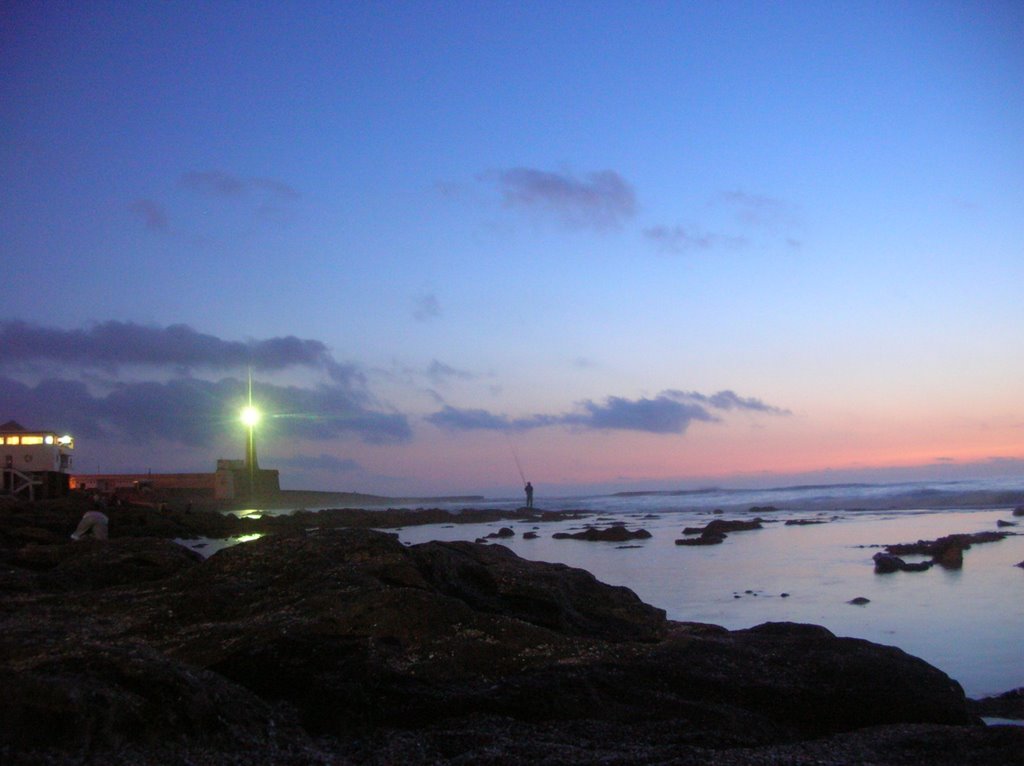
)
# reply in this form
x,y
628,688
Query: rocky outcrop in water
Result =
x,y
613,534
886,563
947,552
347,647
715,532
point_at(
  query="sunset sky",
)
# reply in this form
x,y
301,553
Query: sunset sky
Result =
x,y
634,245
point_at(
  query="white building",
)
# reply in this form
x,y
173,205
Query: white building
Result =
x,y
35,463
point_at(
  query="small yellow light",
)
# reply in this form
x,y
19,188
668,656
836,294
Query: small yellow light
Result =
x,y
250,416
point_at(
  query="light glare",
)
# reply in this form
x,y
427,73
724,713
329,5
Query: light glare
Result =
x,y
250,416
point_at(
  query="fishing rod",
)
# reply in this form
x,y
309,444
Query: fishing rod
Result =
x,y
515,457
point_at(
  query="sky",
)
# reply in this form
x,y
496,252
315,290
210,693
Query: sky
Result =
x,y
616,245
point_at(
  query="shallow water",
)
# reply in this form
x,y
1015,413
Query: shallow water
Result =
x,y
968,622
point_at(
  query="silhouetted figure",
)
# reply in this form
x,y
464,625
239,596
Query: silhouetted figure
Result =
x,y
529,495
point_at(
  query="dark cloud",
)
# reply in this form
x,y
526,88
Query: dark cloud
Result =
x,y
670,412
664,414
195,412
455,419
114,343
151,214
327,412
677,239
598,200
184,409
221,184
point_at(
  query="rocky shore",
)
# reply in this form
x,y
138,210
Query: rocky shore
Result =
x,y
327,643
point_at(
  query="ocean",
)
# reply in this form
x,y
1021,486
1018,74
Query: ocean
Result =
x,y
968,622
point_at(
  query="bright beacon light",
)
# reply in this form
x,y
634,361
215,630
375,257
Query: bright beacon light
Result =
x,y
250,416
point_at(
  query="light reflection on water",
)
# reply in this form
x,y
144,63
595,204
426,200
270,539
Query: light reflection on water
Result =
x,y
969,622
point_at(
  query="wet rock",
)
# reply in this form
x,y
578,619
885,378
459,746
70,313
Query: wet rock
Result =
x,y
965,541
706,538
1004,523
715,532
503,533
438,653
886,563
722,527
530,535
103,695
614,534
91,564
859,601
950,556
945,551
1019,510
1007,705
804,522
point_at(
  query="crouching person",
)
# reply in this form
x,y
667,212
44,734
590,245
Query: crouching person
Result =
x,y
94,523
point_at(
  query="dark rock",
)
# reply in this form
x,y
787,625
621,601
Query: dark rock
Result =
x,y
504,532
440,653
615,534
1003,523
886,563
530,535
1007,705
763,509
715,532
941,545
1019,510
804,522
859,601
704,539
950,556
946,551
722,527
91,564
103,695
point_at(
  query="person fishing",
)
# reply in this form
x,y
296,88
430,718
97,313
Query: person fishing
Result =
x,y
529,495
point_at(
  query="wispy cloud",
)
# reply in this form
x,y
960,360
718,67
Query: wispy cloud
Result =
x,y
730,400
679,239
440,372
597,200
151,213
427,307
222,184
758,209
670,412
